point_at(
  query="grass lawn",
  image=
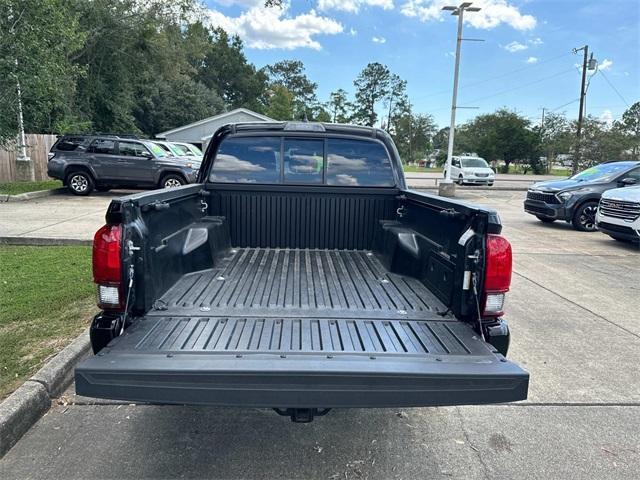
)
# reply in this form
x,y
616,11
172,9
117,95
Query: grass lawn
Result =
x,y
46,299
14,188
415,169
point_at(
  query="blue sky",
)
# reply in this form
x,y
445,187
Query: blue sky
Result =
x,y
525,62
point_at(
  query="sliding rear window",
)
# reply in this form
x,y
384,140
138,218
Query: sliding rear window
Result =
x,y
358,163
247,160
332,161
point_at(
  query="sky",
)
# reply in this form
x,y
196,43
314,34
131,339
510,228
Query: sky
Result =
x,y
524,63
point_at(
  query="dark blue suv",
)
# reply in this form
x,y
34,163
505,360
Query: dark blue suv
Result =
x,y
575,199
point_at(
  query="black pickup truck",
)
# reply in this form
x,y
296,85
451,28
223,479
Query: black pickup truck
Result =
x,y
300,274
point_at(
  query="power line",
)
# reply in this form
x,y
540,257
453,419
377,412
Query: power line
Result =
x,y
521,86
614,88
564,105
495,77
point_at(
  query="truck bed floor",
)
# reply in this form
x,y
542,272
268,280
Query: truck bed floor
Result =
x,y
300,282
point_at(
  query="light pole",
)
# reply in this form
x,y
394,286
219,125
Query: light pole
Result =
x,y
446,187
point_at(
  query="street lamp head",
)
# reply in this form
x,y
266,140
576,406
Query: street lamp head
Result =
x,y
465,5
449,8
473,9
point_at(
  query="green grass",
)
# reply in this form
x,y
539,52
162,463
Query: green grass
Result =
x,y
564,172
15,188
415,169
46,299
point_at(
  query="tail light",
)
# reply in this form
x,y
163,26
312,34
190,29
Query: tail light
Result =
x,y
107,267
497,278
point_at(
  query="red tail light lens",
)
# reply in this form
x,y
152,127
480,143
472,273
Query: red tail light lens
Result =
x,y
107,268
497,279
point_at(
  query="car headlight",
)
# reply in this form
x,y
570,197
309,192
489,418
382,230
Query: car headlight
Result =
x,y
564,196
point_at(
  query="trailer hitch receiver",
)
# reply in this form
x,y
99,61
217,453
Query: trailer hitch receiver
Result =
x,y
302,415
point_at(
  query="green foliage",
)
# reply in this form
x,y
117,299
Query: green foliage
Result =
x,y
339,106
502,135
412,135
225,69
46,299
15,188
629,127
290,75
280,103
372,86
38,39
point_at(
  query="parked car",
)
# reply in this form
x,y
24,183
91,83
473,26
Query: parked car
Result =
x,y
619,214
575,199
85,162
300,274
471,170
179,149
190,149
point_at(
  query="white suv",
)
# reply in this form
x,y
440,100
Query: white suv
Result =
x,y
619,214
473,170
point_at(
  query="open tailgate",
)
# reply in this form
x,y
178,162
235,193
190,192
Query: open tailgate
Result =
x,y
301,363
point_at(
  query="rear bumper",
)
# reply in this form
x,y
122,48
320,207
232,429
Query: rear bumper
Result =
x,y
548,210
298,381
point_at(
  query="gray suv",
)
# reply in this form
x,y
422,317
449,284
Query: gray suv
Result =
x,y
88,162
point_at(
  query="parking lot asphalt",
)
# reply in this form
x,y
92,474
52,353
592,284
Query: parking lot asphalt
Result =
x,y
573,315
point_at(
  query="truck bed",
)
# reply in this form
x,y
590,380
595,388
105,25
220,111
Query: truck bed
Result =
x,y
285,283
300,328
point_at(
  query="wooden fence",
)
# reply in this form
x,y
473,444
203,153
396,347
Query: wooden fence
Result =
x,y
38,146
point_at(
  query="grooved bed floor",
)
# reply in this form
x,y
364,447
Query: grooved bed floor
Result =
x,y
271,282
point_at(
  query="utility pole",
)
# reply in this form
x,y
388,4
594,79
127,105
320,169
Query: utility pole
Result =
x,y
446,187
586,65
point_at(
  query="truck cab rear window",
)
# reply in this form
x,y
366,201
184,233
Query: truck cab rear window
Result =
x,y
332,161
358,163
247,160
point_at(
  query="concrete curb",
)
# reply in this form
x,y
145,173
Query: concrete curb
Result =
x,y
24,407
43,242
23,197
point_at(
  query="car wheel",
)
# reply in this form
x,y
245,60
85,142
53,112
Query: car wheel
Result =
x,y
460,180
172,181
545,219
80,183
584,219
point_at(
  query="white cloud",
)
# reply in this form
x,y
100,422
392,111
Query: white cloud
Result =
x,y
240,3
605,64
353,6
493,13
514,47
353,32
379,40
536,41
532,60
607,117
267,28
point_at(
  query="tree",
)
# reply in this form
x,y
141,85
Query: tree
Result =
x,y
226,70
629,126
556,136
37,40
413,135
279,103
396,97
372,86
290,74
339,106
502,135
600,143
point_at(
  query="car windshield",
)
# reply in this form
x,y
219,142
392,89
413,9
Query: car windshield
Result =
x,y
181,150
601,173
156,149
195,150
474,163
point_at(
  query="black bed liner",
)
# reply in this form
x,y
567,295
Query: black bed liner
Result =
x,y
301,328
